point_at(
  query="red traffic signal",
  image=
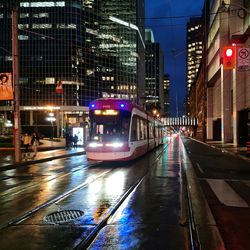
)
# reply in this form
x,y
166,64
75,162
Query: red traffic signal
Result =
x,y
229,57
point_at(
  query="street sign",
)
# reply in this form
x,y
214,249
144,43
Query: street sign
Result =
x,y
243,59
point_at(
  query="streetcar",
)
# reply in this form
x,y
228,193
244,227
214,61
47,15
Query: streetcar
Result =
x,y
121,130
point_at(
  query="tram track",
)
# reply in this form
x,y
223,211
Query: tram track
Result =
x,y
87,241
105,219
54,200
193,232
16,190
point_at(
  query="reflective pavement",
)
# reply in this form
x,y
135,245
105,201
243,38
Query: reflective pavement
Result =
x,y
48,150
52,149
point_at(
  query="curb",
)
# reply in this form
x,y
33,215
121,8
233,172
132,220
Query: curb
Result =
x,y
224,150
12,166
204,224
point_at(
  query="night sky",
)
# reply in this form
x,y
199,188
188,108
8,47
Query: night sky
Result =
x,y
171,34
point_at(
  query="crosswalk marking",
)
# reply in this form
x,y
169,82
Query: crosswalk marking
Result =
x,y
226,194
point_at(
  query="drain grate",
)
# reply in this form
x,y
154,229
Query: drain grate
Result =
x,y
63,216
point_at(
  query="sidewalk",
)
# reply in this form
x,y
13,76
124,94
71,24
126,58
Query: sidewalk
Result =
x,y
54,149
230,148
48,150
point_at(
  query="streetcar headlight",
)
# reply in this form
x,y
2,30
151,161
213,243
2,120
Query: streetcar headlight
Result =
x,y
114,144
95,144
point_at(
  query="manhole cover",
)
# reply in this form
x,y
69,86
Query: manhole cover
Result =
x,y
63,216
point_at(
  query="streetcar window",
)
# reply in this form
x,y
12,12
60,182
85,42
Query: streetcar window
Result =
x,y
143,130
134,129
109,127
151,130
139,129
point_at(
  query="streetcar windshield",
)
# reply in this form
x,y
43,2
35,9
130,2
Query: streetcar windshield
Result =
x,y
106,128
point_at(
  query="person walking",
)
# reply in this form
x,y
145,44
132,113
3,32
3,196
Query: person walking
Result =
x,y
34,143
26,139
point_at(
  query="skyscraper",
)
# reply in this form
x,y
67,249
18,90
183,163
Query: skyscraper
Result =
x,y
154,74
89,48
166,89
194,51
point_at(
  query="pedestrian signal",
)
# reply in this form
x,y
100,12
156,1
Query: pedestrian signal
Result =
x,y
229,57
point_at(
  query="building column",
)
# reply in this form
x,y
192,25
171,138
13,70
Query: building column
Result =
x,y
57,124
31,118
226,129
209,113
235,114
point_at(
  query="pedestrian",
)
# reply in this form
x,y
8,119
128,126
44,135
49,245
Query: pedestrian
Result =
x,y
26,139
75,140
34,143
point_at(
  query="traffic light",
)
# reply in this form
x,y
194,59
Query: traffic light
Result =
x,y
229,57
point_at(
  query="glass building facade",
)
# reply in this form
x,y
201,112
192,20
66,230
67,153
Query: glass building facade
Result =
x,y
92,48
154,89
194,33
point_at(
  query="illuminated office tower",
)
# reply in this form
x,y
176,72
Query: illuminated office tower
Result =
x,y
89,48
166,89
194,50
154,74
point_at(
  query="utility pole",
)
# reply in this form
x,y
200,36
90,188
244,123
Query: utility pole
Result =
x,y
15,70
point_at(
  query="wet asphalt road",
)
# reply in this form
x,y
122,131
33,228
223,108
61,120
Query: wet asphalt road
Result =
x,y
225,182
153,216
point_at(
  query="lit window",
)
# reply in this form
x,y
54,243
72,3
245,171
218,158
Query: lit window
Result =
x,y
60,4
66,26
23,26
23,37
43,4
25,4
42,26
24,15
8,58
40,15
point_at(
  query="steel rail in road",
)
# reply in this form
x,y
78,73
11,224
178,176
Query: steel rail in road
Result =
x,y
85,243
26,215
11,192
193,233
